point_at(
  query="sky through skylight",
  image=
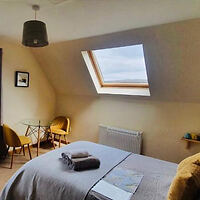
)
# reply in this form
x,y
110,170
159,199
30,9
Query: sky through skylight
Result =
x,y
122,64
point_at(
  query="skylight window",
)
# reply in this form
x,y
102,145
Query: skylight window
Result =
x,y
120,70
122,65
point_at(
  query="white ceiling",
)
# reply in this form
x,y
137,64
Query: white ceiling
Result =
x,y
73,19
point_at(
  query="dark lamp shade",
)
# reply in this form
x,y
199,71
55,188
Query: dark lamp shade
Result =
x,y
35,34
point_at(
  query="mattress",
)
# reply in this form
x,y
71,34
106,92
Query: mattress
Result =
x,y
46,177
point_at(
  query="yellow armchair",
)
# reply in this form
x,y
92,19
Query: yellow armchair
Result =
x,y
60,126
13,140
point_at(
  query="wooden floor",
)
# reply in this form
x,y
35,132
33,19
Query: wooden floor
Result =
x,y
19,160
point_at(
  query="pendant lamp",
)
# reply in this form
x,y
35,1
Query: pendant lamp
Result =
x,y
34,32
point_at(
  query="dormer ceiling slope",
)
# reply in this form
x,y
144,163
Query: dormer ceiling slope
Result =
x,y
172,54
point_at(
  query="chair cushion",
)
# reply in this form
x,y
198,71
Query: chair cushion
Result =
x,y
186,184
24,140
59,132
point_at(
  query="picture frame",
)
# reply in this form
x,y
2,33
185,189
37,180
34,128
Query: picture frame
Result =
x,y
21,79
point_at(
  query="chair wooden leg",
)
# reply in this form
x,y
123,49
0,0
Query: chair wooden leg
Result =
x,y
12,157
23,150
29,151
53,137
7,150
59,140
65,139
20,150
47,136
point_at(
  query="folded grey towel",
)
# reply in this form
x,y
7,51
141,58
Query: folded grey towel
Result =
x,y
80,164
76,153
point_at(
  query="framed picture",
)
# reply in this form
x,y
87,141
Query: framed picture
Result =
x,y
21,79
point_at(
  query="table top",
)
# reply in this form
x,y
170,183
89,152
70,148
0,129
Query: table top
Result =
x,y
36,123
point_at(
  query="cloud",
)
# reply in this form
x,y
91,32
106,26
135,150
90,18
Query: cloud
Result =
x,y
122,64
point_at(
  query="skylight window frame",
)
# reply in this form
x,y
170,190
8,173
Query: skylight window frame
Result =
x,y
99,76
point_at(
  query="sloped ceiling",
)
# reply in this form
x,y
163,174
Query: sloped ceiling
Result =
x,y
75,19
172,53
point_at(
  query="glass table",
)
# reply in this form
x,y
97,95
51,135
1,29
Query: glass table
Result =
x,y
36,127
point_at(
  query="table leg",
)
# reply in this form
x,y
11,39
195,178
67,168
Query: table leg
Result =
x,y
27,130
47,133
38,142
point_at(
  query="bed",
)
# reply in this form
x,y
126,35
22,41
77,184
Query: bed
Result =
x,y
47,178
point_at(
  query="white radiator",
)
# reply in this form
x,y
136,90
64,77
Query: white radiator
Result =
x,y
127,140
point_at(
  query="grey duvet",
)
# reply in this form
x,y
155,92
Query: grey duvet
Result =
x,y
47,178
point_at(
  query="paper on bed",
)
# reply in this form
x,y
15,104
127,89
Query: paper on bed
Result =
x,y
119,183
125,179
111,191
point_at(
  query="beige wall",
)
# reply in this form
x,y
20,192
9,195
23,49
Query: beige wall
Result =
x,y
34,102
171,54
163,123
173,66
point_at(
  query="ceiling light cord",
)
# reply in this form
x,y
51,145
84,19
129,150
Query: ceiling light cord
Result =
x,y
35,14
35,8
